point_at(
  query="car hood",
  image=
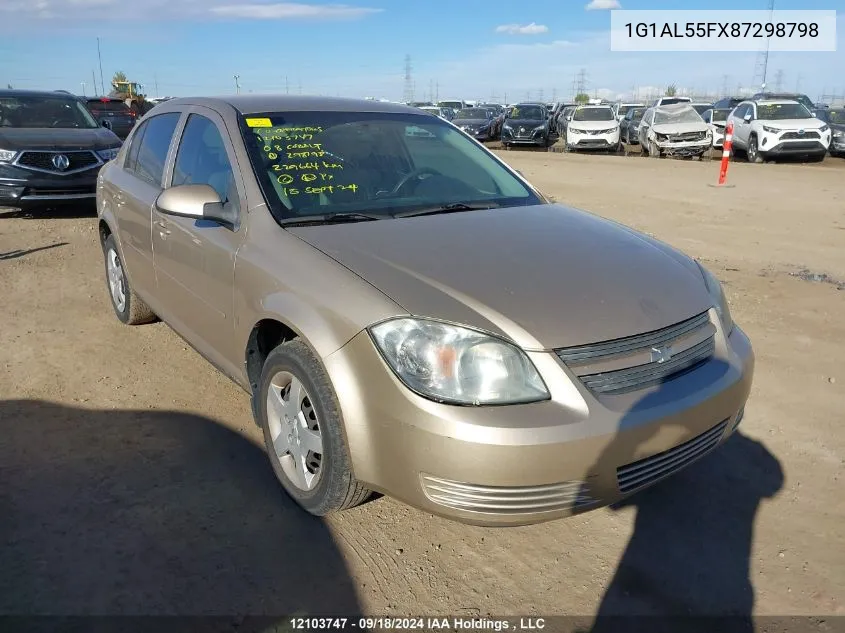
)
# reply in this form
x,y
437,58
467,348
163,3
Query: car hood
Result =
x,y
593,125
526,123
57,139
472,122
680,128
545,276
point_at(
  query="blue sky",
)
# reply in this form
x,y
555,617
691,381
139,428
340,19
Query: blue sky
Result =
x,y
460,48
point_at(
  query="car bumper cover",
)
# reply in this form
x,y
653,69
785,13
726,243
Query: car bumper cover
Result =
x,y
522,464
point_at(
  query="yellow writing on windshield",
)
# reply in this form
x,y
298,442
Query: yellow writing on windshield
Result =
x,y
259,122
317,190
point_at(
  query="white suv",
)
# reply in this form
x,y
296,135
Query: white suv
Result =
x,y
766,130
593,127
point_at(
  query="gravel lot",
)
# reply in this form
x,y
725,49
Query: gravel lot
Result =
x,y
132,478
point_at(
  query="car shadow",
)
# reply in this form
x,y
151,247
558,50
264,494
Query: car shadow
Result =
x,y
22,253
119,512
688,558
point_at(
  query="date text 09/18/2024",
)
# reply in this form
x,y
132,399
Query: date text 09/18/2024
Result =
x,y
417,624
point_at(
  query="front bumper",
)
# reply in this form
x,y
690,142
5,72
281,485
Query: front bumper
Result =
x,y
687,148
22,189
837,146
793,148
513,137
574,140
719,139
523,464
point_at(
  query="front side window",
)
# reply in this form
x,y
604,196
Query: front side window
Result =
x,y
45,111
134,147
152,152
202,160
316,163
837,117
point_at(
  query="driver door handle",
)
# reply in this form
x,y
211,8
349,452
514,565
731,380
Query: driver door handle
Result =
x,y
163,231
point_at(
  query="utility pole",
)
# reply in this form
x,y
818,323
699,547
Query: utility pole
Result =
x,y
798,83
94,78
100,57
541,95
779,81
554,95
579,85
437,92
725,79
408,95
155,81
237,84
300,85
287,86
83,89
506,99
763,57
431,90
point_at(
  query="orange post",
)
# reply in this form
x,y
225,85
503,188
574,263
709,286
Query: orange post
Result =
x,y
726,153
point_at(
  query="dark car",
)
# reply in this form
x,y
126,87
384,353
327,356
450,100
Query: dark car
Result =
x,y
563,118
51,149
526,124
498,115
803,99
114,114
835,118
629,126
477,122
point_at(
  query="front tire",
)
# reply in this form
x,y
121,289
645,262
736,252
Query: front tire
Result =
x,y
299,414
653,150
128,306
753,152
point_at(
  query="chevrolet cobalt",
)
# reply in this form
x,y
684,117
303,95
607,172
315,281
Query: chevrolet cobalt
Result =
x,y
410,316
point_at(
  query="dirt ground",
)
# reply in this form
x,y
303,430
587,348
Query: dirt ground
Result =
x,y
132,478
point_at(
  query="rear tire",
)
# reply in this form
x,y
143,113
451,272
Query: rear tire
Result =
x,y
128,306
320,482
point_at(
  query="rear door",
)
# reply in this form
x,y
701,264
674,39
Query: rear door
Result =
x,y
742,128
136,186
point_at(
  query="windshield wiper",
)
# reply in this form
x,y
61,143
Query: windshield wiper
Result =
x,y
455,207
332,218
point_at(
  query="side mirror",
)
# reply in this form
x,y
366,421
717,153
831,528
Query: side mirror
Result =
x,y
106,124
194,201
747,118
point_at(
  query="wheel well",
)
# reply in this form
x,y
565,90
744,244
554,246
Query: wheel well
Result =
x,y
264,338
104,231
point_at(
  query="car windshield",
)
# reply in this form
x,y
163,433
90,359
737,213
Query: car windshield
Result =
x,y
44,112
638,113
472,113
702,108
671,117
782,111
593,114
457,105
802,99
378,163
108,105
720,115
530,112
624,109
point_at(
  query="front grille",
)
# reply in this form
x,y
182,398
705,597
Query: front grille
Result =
x,y
796,136
506,499
647,471
44,160
640,361
802,145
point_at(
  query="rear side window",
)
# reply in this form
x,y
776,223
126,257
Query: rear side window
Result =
x,y
134,146
154,145
202,160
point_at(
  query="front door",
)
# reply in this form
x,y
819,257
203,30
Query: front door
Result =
x,y
195,259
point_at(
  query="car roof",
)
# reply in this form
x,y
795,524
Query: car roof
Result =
x,y
674,107
775,101
252,104
35,93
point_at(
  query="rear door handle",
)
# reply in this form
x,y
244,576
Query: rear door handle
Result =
x,y
163,231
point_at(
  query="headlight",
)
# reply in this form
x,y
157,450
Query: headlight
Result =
x,y
507,127
540,128
824,128
772,130
574,130
720,302
456,365
837,134
7,155
108,154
